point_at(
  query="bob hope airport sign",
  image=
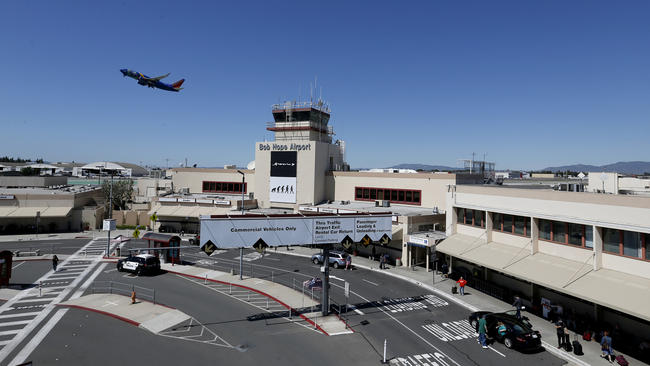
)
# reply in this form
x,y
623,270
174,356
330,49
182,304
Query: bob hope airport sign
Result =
x,y
244,232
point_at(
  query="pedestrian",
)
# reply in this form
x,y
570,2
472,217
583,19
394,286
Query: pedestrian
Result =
x,y
386,256
55,262
374,253
381,261
559,328
501,329
518,305
606,347
348,262
482,331
461,283
444,268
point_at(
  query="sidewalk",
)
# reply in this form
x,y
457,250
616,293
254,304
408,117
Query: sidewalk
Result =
x,y
281,294
474,301
152,317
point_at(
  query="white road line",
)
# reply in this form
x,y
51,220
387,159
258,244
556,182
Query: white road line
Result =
x,y
355,309
17,322
41,299
490,347
18,265
20,315
9,332
372,283
38,338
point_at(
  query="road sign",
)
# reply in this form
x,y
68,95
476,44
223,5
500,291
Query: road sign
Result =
x,y
366,240
347,242
239,231
209,248
153,217
384,240
347,289
136,233
260,246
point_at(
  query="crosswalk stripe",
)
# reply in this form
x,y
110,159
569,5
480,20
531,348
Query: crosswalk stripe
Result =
x,y
19,315
17,322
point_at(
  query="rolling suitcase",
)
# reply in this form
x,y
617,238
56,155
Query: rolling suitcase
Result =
x,y
568,347
454,289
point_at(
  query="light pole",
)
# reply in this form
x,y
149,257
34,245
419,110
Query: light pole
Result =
x,y
241,250
110,216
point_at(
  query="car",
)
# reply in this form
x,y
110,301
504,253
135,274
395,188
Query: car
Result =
x,y
519,332
139,264
337,259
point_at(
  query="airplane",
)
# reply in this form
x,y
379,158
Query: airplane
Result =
x,y
144,80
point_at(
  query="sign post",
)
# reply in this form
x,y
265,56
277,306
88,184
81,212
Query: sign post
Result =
x,y
109,224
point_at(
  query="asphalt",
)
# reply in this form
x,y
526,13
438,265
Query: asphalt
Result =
x,y
419,321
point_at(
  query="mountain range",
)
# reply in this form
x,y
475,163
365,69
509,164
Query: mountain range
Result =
x,y
623,167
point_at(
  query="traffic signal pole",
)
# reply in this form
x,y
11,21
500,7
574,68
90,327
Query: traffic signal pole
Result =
x,y
326,280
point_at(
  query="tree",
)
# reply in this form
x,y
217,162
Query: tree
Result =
x,y
28,171
122,192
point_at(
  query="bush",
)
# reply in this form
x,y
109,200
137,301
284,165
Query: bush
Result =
x,y
129,227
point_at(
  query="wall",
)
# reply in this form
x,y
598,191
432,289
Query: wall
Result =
x,y
433,186
565,251
616,211
596,182
510,239
31,181
193,178
631,266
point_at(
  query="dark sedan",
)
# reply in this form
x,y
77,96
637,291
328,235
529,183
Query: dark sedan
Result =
x,y
519,334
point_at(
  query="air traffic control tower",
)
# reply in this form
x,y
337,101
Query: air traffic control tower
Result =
x,y
292,169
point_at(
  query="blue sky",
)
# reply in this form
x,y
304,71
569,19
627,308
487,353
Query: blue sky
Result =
x,y
530,83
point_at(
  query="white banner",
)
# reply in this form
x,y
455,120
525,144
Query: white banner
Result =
x,y
282,189
244,232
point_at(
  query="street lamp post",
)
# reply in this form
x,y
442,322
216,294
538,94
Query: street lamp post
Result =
x,y
110,216
241,250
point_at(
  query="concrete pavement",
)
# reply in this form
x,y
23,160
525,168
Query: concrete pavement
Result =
x,y
474,302
291,299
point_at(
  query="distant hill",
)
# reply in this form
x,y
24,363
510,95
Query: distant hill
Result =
x,y
624,167
423,167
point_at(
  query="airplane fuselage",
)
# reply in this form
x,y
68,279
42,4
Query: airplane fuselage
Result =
x,y
145,80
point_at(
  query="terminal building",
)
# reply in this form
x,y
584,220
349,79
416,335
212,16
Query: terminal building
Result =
x,y
584,254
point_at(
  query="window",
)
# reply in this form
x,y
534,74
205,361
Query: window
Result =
x,y
497,222
479,218
589,236
646,240
461,215
507,223
223,187
469,217
520,225
632,244
576,232
407,196
545,229
611,240
559,232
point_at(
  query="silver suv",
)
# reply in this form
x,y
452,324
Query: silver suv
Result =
x,y
337,259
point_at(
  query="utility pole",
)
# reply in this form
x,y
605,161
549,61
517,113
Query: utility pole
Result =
x,y
110,216
241,250
325,303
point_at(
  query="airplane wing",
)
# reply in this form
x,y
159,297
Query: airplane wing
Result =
x,y
157,78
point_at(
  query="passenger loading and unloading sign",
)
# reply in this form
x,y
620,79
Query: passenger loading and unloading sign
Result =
x,y
244,232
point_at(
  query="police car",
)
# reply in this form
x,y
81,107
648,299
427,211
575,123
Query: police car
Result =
x,y
139,264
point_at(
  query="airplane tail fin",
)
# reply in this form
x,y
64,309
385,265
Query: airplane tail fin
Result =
x,y
177,85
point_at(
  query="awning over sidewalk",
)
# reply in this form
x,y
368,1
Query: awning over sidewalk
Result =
x,y
6,210
56,212
23,212
164,210
186,211
620,291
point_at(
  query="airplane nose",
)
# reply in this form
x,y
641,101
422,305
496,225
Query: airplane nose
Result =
x,y
123,71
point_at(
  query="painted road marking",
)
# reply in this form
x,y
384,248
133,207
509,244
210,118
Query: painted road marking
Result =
x,y
18,265
20,315
451,331
490,347
355,309
110,303
412,303
372,283
425,359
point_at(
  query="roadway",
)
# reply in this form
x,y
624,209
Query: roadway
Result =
x,y
419,327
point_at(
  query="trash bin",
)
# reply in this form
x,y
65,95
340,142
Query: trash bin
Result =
x,y
398,262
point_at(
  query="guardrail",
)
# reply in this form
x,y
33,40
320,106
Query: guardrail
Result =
x,y
27,253
126,289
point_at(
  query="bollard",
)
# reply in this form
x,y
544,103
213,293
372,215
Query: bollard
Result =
x,y
267,303
249,297
251,270
205,282
384,351
271,276
230,291
132,297
40,285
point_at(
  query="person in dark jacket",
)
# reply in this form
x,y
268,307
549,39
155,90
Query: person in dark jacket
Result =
x,y
55,262
559,327
518,305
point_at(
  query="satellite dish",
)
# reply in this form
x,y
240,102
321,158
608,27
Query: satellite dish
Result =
x,y
251,165
603,177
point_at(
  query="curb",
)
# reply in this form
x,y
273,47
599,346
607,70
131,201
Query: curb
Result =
x,y
547,346
259,292
132,322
